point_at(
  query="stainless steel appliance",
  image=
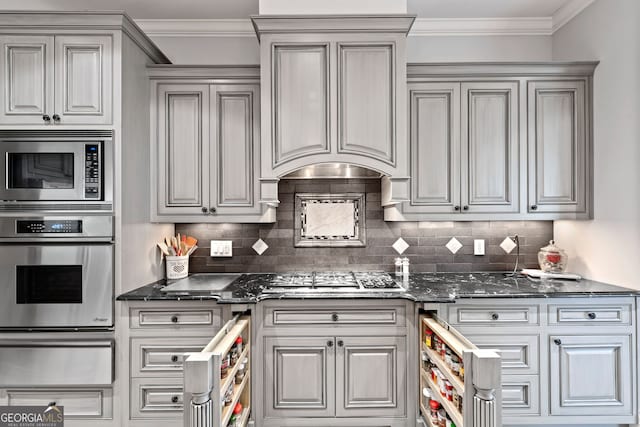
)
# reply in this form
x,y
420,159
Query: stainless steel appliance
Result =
x,y
57,272
343,282
56,170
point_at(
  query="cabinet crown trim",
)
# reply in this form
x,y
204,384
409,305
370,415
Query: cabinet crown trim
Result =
x,y
500,69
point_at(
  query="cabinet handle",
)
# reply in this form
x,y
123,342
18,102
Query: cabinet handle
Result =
x,y
340,343
330,343
46,118
174,399
591,315
534,207
174,358
495,316
465,208
205,210
174,319
212,209
56,118
557,341
456,208
334,317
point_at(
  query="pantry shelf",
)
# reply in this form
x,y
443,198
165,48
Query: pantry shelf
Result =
x,y
224,384
453,378
237,391
453,412
455,343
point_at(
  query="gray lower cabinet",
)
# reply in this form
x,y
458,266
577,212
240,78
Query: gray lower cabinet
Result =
x,y
335,376
591,375
564,361
205,148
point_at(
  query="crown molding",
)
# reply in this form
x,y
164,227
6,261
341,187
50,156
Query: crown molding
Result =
x,y
481,27
422,27
568,11
197,27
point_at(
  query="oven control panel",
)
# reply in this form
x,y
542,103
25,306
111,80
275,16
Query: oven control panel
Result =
x,y
92,171
48,226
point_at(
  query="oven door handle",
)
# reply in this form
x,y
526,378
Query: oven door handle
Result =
x,y
76,240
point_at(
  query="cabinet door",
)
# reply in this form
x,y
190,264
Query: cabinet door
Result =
x,y
373,370
183,147
300,100
26,79
366,100
558,147
435,146
83,87
490,147
299,377
235,141
591,375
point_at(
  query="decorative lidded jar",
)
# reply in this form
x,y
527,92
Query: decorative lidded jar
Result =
x,y
552,259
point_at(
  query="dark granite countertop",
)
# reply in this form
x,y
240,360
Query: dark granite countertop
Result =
x,y
421,287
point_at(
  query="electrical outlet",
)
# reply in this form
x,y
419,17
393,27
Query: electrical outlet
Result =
x,y
222,248
478,247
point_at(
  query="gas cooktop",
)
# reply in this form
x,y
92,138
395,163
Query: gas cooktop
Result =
x,y
332,281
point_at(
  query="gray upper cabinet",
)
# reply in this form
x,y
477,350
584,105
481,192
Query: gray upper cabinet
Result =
x,y
183,147
559,151
490,143
591,375
300,100
56,79
206,150
498,142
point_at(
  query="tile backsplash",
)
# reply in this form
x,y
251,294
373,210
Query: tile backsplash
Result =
x,y
427,240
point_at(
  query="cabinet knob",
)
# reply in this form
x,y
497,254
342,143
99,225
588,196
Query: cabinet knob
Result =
x,y
591,315
174,319
340,343
330,343
456,208
174,358
495,316
56,118
212,209
175,399
46,118
205,210
334,317
534,207
557,341
465,208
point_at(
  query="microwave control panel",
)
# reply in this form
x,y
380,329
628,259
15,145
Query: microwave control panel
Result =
x,y
92,172
48,226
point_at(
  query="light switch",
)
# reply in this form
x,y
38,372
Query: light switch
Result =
x,y
478,247
222,248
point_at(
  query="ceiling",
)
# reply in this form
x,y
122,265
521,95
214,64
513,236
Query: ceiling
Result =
x,y
235,9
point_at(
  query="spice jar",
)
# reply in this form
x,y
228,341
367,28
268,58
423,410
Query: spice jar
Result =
x,y
237,413
228,396
240,373
448,390
447,358
434,405
443,350
442,418
239,345
428,337
426,397
461,371
455,364
224,365
455,398
552,259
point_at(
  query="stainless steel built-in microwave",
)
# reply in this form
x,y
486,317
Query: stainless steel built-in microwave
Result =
x,y
56,170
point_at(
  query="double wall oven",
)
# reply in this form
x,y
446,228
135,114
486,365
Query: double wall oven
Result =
x,y
56,259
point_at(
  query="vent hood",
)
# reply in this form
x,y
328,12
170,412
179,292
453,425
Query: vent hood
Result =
x,y
333,90
333,171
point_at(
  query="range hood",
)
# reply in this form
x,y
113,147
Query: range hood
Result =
x,y
333,91
333,171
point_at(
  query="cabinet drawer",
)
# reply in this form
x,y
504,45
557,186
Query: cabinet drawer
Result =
x,y
381,316
156,398
520,354
469,315
78,403
162,356
615,314
520,395
162,318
